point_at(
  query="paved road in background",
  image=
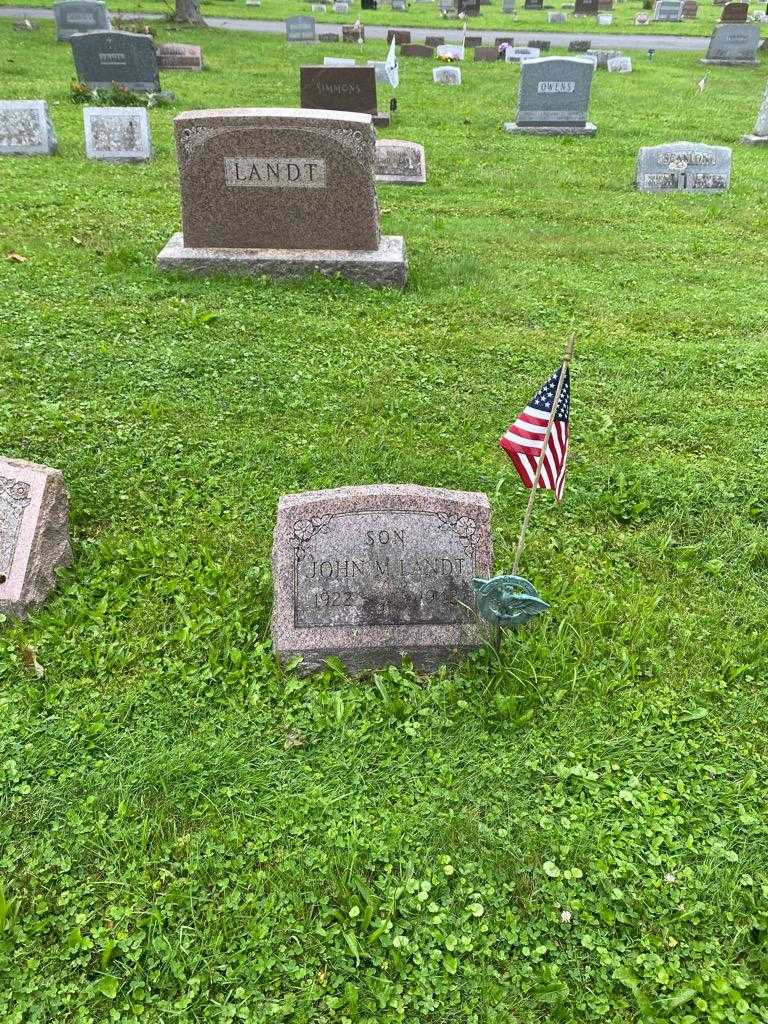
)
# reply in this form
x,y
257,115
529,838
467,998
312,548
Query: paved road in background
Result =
x,y
680,44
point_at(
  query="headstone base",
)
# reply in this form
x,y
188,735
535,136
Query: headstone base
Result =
x,y
730,63
755,140
385,267
587,129
356,662
380,120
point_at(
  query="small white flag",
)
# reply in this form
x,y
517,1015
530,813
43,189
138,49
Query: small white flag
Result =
x,y
702,84
393,72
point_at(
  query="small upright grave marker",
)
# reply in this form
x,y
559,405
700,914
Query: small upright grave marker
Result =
x,y
690,9
373,574
26,128
417,50
488,54
759,135
585,8
79,16
446,76
34,534
400,163
734,13
300,29
668,10
683,167
521,54
179,57
620,65
117,134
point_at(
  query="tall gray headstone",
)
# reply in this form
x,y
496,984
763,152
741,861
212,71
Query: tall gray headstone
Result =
x,y
26,128
80,16
374,574
34,534
733,46
683,167
117,134
554,97
125,58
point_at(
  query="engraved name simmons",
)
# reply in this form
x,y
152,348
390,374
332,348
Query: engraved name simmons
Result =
x,y
274,172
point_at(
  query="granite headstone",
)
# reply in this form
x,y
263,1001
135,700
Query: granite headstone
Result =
x,y
281,193
400,163
34,534
117,134
300,29
125,58
179,57
446,76
668,10
487,54
347,89
734,13
733,46
374,574
80,16
417,50
554,97
26,128
683,167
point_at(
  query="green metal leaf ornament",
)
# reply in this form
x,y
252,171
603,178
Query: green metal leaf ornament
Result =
x,y
508,601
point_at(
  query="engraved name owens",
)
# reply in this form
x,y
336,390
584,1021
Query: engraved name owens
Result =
x,y
338,89
112,58
556,87
274,172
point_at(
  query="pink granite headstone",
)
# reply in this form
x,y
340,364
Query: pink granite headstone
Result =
x,y
375,574
34,536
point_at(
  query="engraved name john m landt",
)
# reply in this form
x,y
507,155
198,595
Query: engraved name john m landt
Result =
x,y
384,568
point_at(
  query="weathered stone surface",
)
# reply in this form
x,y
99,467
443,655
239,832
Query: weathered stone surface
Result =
x,y
26,128
34,534
470,42
383,267
603,56
417,50
585,7
521,54
446,76
80,16
690,9
485,53
300,29
579,45
554,93
683,167
668,10
344,89
400,163
374,574
401,37
117,134
280,192
734,13
179,57
329,37
434,41
127,58
556,17
733,46
620,65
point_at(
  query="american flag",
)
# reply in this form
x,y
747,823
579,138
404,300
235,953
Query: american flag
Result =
x,y
524,439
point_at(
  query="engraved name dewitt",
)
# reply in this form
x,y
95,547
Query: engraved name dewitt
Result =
x,y
556,86
274,172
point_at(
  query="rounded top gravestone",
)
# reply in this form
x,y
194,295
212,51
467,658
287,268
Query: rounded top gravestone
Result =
x,y
374,574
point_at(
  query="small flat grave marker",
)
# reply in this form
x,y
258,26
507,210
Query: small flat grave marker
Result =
x,y
417,50
579,45
487,54
339,62
620,65
446,76
34,534
683,167
520,54
117,134
26,128
400,163
434,41
374,574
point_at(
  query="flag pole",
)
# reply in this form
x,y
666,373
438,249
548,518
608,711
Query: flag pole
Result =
x,y
567,356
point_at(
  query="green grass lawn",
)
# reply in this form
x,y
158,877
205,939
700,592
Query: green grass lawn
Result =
x,y
421,16
574,831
